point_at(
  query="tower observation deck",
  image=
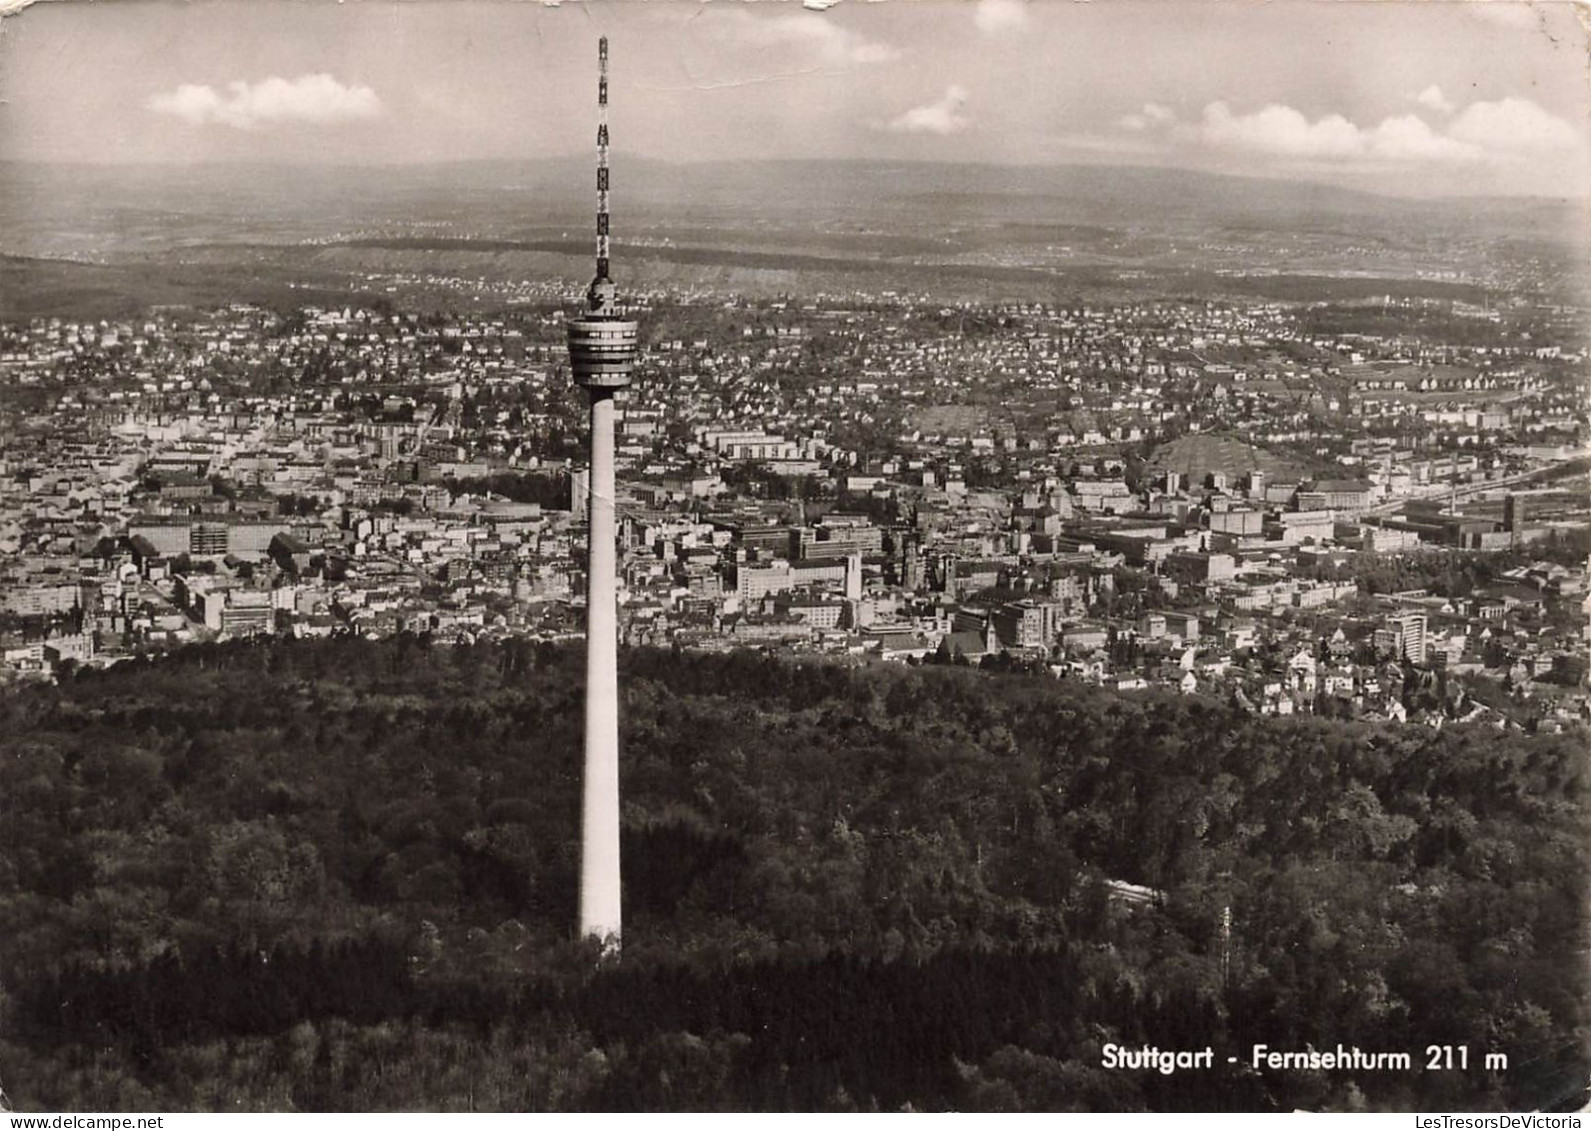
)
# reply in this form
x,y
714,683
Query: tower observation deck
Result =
x,y
602,349
602,342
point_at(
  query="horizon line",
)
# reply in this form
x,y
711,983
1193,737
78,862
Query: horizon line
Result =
x,y
573,157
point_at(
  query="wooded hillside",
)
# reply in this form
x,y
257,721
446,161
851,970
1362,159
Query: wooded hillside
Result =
x,y
341,875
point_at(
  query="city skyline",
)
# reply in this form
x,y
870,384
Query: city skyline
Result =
x,y
1477,98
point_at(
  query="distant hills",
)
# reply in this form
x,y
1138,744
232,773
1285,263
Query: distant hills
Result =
x,y
556,190
957,229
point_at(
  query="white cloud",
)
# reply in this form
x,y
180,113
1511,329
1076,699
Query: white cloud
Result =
x,y
942,117
995,16
1432,98
820,36
1280,130
316,99
1484,130
1408,138
1153,114
1516,126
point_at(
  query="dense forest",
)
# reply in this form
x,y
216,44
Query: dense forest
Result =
x,y
341,875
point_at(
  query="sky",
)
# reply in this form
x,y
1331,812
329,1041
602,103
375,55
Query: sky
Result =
x,y
1411,97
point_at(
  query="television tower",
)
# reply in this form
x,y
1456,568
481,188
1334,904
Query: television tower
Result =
x,y
602,348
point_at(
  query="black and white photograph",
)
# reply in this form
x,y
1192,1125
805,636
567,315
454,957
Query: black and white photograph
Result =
x,y
662,557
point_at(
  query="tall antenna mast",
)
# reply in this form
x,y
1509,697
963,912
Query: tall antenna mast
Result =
x,y
602,158
603,296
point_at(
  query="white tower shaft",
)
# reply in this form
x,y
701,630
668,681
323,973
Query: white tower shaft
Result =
x,y
599,855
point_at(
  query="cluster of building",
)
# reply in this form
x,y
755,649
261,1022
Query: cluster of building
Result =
x,y
1176,495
